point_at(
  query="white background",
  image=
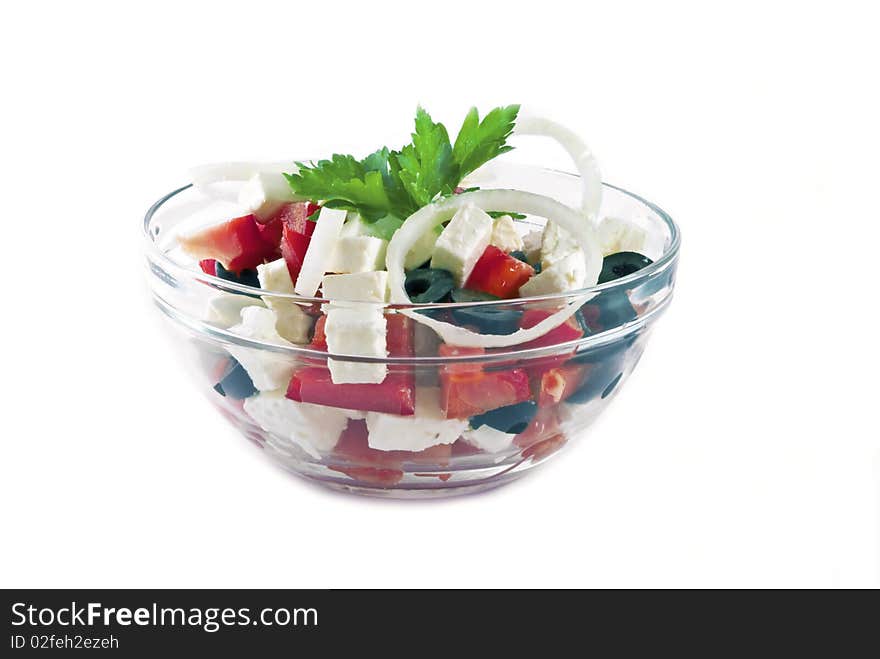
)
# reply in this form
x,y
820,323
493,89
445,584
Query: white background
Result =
x,y
744,450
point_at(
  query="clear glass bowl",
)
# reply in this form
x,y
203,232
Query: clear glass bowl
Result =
x,y
352,437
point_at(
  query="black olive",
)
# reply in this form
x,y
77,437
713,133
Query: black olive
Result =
x,y
245,277
236,383
488,319
512,419
519,255
425,285
621,264
468,295
601,381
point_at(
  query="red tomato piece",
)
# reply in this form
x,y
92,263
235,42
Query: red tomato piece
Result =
x,y
293,249
499,274
567,331
553,385
271,235
319,338
295,215
396,395
238,244
208,266
467,388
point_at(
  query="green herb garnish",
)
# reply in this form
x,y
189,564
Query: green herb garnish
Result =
x,y
400,182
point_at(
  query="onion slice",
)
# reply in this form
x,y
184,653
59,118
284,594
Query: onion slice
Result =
x,y
222,172
580,153
426,218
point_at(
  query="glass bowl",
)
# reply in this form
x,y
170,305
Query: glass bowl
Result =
x,y
444,421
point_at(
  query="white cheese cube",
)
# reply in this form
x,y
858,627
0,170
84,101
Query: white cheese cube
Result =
x,y
428,427
265,193
618,235
462,242
292,323
268,370
489,439
320,251
532,245
358,254
356,331
224,309
313,428
557,244
505,236
567,274
357,287
274,276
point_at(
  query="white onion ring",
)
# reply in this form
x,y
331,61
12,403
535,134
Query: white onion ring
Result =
x,y
222,172
584,160
426,218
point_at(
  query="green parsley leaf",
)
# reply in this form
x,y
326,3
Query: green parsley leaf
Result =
x,y
480,141
343,182
426,165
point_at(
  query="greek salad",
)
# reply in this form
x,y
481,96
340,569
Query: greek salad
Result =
x,y
356,245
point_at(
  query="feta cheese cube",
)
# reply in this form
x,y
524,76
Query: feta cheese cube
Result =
x,y
564,275
489,439
320,251
356,287
462,242
274,276
224,309
618,235
313,428
265,193
356,330
557,244
358,254
427,428
505,236
292,323
268,370
532,245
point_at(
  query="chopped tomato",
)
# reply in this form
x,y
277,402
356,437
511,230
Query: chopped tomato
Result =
x,y
553,385
319,338
567,331
293,248
499,274
208,266
237,244
295,216
396,395
467,389
271,235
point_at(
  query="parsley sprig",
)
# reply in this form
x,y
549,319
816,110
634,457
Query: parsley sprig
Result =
x,y
400,182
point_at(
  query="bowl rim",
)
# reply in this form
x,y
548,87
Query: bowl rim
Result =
x,y
159,259
669,255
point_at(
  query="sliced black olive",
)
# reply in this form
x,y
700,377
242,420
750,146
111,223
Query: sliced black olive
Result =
x,y
621,264
245,277
610,309
489,320
511,419
236,383
519,255
468,295
600,381
425,285
606,353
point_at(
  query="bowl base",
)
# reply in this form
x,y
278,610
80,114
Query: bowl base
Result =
x,y
413,493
